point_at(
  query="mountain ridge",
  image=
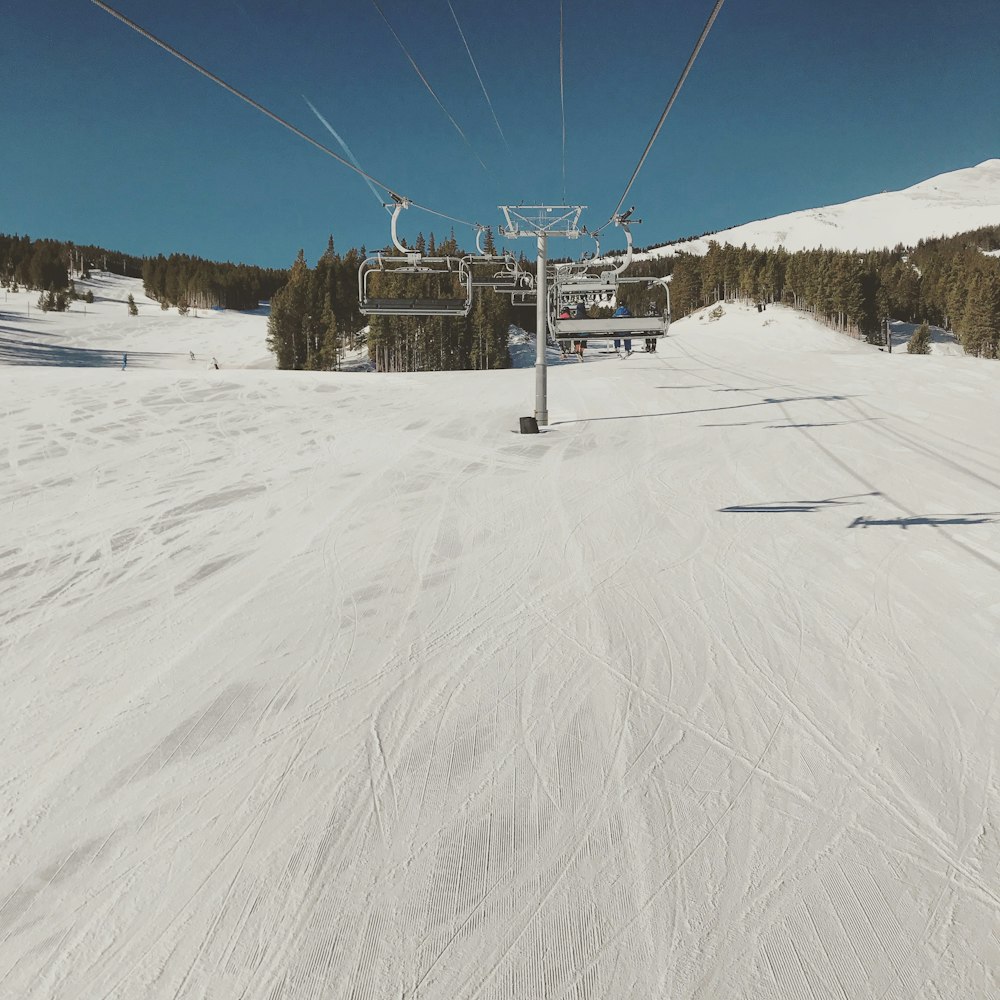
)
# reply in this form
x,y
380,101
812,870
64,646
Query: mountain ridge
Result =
x,y
943,205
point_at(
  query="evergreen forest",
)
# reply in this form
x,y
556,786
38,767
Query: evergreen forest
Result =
x,y
184,281
316,316
178,280
950,282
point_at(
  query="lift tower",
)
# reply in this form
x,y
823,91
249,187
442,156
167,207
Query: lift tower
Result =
x,y
541,221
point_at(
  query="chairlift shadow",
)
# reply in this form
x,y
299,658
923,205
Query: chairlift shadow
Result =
x,y
927,520
797,506
706,409
829,423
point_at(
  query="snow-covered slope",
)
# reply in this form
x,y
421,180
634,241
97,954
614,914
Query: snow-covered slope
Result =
x,y
96,335
950,203
331,686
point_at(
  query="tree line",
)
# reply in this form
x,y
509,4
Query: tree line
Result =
x,y
316,316
949,282
28,263
178,280
184,281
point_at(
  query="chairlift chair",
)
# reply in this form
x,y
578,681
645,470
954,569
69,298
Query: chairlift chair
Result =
x,y
575,283
455,271
510,278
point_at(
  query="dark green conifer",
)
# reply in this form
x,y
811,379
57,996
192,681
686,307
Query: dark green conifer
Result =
x,y
920,342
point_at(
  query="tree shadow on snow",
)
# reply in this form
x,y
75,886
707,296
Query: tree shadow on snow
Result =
x,y
32,352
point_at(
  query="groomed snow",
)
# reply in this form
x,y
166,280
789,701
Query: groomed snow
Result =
x,y
332,686
955,202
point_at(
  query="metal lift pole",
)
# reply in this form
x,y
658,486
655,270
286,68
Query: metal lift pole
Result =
x,y
541,322
541,221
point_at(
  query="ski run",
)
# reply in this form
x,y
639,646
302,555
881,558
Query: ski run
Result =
x,y
330,685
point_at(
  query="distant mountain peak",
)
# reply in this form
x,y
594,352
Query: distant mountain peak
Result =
x,y
948,203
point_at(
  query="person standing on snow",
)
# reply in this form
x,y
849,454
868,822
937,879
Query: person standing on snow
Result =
x,y
124,360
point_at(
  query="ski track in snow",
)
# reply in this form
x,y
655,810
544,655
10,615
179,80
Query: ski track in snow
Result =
x,y
323,685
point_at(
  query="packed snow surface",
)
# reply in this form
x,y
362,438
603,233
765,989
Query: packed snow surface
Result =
x,y
323,685
951,203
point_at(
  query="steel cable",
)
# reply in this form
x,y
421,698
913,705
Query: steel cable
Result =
x,y
478,76
666,110
431,91
270,114
562,99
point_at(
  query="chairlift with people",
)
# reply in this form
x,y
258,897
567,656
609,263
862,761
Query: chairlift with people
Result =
x,y
575,283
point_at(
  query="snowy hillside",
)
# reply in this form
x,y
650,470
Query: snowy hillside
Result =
x,y
96,335
324,686
950,203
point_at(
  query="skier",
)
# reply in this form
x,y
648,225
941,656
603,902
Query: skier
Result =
x,y
192,355
619,313
215,364
124,360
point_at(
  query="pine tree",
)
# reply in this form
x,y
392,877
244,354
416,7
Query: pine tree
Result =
x,y
133,309
289,308
920,342
980,329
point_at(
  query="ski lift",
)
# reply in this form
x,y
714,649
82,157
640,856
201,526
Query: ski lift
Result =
x,y
431,272
510,278
575,283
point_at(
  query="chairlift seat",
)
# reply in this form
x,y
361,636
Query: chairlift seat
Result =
x,y
415,307
572,287
611,327
415,265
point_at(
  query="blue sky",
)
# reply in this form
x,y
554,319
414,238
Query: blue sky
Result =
x,y
792,104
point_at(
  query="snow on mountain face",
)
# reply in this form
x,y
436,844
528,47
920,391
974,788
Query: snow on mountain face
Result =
x,y
941,206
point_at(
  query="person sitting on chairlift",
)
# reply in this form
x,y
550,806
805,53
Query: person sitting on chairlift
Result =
x,y
564,344
619,313
580,313
650,341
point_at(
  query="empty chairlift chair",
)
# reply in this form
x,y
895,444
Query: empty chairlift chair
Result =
x,y
510,279
442,286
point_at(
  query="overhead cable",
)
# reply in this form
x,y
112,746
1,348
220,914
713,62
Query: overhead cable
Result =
x,y
270,114
430,89
666,110
562,98
478,77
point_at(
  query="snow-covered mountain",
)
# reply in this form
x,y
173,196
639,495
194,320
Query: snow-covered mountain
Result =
x,y
941,206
